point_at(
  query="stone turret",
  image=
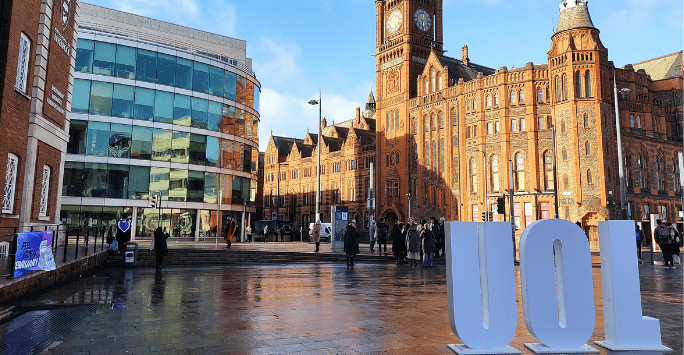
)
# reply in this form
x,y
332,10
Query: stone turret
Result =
x,y
574,14
370,106
464,55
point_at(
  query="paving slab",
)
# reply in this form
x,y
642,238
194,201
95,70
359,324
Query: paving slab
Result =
x,y
320,308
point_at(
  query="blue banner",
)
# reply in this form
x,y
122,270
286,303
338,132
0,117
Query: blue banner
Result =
x,y
34,253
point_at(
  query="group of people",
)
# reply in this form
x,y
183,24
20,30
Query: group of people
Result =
x,y
411,242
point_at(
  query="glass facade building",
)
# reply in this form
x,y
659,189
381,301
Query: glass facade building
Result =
x,y
149,118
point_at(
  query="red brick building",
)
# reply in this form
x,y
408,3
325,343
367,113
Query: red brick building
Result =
x,y
37,51
454,126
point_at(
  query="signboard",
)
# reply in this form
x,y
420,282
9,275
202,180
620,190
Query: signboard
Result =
x,y
556,285
34,253
516,209
476,213
339,224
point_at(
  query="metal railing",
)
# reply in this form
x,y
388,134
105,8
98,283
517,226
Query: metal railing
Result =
x,y
68,243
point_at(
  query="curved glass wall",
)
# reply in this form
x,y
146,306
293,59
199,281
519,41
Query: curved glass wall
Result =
x,y
138,64
152,123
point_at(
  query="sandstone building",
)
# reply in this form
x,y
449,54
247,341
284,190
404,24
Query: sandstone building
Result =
x,y
453,126
37,50
347,151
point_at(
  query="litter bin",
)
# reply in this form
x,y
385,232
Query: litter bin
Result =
x,y
131,255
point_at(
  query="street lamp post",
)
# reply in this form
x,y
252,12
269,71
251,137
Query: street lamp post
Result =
x,y
318,168
555,172
623,204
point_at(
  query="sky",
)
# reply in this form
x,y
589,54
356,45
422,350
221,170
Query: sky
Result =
x,y
299,47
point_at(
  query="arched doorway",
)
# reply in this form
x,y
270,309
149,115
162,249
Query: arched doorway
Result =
x,y
390,217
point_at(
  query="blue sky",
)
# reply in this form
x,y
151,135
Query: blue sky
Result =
x,y
301,46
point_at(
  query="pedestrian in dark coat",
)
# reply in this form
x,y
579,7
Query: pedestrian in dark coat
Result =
x,y
160,247
398,243
351,242
413,243
428,246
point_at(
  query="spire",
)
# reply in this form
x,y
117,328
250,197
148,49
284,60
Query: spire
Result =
x,y
371,98
370,105
574,14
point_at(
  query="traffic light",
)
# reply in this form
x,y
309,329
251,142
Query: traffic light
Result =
x,y
501,205
154,202
484,216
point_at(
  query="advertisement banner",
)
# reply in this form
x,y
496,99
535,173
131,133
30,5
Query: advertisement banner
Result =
x,y
34,253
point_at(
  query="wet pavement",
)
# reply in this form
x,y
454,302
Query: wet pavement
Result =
x,y
318,308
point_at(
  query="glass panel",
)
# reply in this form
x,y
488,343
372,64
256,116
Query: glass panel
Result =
x,y
142,143
257,95
73,179
98,139
161,145
198,147
104,58
228,120
163,107
181,147
237,191
144,104
120,141
125,62
212,152
247,189
199,113
122,103
247,158
147,66
195,186
240,124
241,90
117,186
78,131
250,94
84,56
166,69
183,223
95,180
159,182
227,147
101,98
214,115
139,183
200,77
210,188
226,187
216,81
182,110
229,86
184,73
178,185
81,98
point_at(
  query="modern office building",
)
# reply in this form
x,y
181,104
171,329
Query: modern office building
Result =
x,y
37,49
160,110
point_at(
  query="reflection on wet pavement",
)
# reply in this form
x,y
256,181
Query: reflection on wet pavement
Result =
x,y
304,309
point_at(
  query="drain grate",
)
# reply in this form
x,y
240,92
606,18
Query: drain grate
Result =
x,y
33,331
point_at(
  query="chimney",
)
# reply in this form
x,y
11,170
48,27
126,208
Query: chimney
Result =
x,y
324,123
464,52
358,114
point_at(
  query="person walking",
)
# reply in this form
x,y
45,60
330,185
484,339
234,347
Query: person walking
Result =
x,y
639,240
373,235
383,232
160,246
676,242
351,242
428,238
229,231
440,239
316,235
664,241
398,243
413,242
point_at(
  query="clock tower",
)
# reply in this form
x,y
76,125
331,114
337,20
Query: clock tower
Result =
x,y
407,32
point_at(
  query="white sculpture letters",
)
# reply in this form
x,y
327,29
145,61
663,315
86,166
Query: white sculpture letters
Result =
x,y
556,288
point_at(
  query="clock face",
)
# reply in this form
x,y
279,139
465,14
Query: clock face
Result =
x,y
422,20
394,22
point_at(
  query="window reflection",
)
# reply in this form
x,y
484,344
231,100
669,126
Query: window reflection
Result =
x,y
94,180
181,147
230,85
122,101
78,132
210,188
198,146
84,56
166,69
101,98
81,98
98,139
178,185
125,62
195,186
182,110
159,182
184,73
161,145
163,107
117,181
73,179
212,151
104,58
214,115
200,77
216,77
141,147
147,66
144,104
199,113
139,183
120,141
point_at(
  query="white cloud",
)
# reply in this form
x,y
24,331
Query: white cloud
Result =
x,y
276,63
288,115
